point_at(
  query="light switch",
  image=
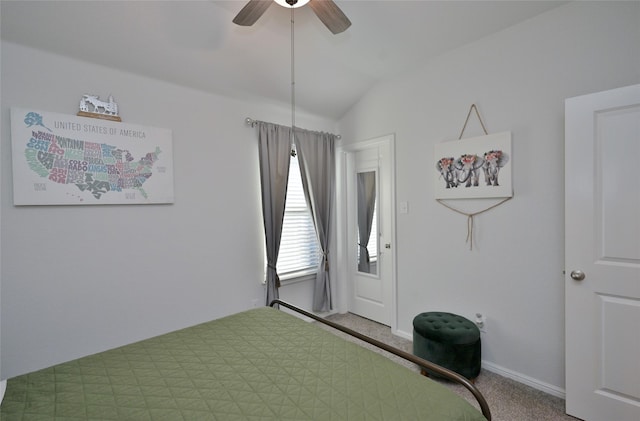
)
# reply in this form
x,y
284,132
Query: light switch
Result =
x,y
403,207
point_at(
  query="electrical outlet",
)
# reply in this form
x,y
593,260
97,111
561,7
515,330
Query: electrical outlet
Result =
x,y
481,322
254,302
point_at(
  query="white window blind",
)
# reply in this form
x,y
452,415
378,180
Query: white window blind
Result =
x,y
372,245
299,250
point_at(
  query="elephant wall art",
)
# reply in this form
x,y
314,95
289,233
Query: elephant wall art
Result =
x,y
474,167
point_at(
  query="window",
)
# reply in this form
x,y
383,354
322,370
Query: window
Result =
x,y
299,250
372,245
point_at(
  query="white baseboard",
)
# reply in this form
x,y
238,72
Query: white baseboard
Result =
x,y
3,387
524,379
403,334
510,374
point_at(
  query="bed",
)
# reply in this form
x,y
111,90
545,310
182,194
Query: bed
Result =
x,y
261,364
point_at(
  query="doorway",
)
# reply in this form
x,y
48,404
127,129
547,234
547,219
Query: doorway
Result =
x,y
368,230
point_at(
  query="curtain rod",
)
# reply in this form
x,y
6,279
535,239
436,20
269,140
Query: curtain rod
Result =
x,y
251,122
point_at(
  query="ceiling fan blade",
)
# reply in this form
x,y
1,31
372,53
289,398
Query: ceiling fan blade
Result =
x,y
251,12
331,15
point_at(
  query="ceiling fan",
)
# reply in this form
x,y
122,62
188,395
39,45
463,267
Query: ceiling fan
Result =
x,y
326,10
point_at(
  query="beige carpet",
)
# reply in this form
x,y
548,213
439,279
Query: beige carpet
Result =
x,y
507,399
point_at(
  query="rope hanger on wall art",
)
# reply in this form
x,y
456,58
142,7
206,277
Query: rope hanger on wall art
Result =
x,y
460,165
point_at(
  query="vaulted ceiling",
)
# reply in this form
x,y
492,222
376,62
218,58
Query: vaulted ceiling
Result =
x,y
195,43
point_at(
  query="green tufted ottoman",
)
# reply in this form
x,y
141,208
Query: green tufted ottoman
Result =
x,y
449,340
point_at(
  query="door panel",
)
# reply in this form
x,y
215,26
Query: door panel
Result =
x,y
620,184
616,360
602,239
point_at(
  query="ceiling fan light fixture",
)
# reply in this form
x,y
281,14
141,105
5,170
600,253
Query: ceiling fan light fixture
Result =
x,y
296,4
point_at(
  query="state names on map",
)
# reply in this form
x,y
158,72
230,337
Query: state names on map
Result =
x,y
63,159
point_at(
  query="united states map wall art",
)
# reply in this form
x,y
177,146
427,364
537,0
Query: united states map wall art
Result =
x,y
62,159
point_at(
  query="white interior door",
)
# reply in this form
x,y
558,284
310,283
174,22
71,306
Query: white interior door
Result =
x,y
602,255
370,255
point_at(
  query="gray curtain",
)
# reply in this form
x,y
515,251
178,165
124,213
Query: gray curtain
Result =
x,y
366,202
274,154
316,156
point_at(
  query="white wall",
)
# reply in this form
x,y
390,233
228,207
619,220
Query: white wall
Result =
x,y
3,383
518,78
80,279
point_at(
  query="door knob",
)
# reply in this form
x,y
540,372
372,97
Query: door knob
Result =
x,y
577,275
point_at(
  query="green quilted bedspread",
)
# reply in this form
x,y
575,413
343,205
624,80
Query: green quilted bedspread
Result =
x,y
261,364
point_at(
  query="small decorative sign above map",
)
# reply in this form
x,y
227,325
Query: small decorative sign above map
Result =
x,y
63,159
93,106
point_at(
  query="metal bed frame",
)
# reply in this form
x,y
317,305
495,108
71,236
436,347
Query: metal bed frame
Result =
x,y
446,373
